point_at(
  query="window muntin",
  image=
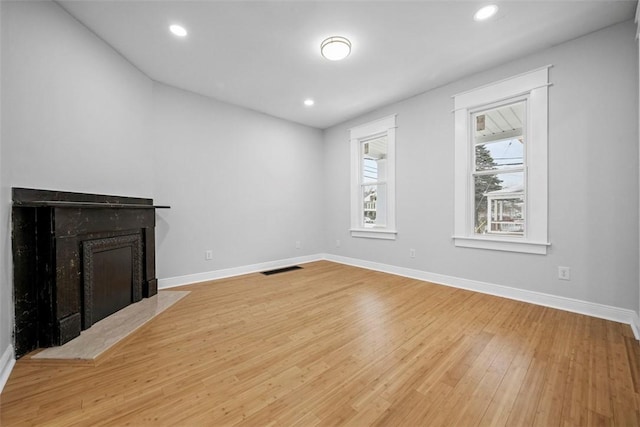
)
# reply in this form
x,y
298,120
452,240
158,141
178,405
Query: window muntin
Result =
x,y
373,179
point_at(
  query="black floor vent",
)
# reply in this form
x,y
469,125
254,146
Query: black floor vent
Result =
x,y
281,270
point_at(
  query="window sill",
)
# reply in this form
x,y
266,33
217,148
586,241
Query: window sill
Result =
x,y
502,244
371,233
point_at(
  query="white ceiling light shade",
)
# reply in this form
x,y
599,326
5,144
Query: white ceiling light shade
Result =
x,y
178,30
485,12
309,102
335,48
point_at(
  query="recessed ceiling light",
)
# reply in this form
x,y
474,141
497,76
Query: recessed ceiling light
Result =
x,y
335,48
178,30
485,12
309,102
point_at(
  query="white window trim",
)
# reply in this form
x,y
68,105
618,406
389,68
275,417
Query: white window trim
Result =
x,y
535,241
385,125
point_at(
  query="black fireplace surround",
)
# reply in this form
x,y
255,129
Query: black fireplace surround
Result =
x,y
77,258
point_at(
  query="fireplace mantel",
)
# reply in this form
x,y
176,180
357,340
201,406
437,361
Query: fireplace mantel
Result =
x,y
77,258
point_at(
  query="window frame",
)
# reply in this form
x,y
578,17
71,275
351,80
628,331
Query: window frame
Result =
x,y
533,86
357,136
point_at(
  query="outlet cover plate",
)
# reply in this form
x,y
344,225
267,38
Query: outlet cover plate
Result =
x,y
564,273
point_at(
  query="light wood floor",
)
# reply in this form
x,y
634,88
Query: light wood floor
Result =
x,y
337,345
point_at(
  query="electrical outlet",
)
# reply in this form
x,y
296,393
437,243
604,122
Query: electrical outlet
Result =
x,y
208,255
564,273
412,253
298,245
337,243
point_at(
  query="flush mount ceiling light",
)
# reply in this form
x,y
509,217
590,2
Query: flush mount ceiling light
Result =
x,y
335,48
178,30
309,102
485,12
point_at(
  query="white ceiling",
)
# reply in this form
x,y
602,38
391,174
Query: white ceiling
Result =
x,y
264,55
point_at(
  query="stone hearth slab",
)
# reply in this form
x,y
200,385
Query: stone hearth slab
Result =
x,y
109,331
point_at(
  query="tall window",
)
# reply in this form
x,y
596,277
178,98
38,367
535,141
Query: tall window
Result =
x,y
373,179
501,165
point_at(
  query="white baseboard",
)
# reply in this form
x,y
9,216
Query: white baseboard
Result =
x,y
7,361
235,271
602,311
635,325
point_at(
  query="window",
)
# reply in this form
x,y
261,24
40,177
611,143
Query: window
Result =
x,y
501,165
373,179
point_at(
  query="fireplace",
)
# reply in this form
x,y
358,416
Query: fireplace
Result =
x,y
78,258
112,276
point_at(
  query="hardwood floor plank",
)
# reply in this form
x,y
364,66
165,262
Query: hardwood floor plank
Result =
x,y
336,345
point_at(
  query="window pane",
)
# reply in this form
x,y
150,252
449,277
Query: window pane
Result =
x,y
374,158
374,199
506,216
499,203
498,137
507,153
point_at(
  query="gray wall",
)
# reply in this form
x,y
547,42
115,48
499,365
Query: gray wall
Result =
x,y
78,117
75,117
245,185
637,38
593,178
6,302
76,113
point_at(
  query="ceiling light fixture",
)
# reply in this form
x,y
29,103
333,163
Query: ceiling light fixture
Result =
x,y
178,30
309,102
335,48
485,12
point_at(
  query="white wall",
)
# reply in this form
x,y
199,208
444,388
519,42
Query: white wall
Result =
x,y
593,178
245,185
